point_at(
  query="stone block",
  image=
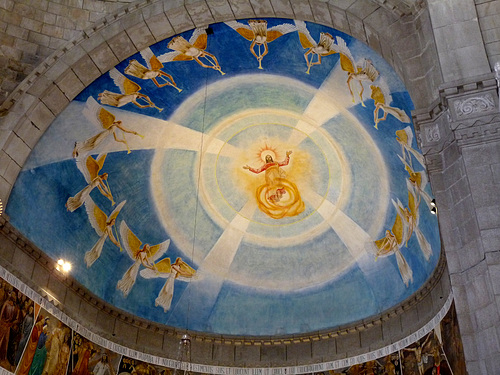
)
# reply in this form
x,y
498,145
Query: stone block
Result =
x,y
200,14
470,345
171,347
391,329
53,31
103,57
5,188
55,286
324,349
72,301
23,263
357,27
492,364
38,38
302,10
465,62
106,322
300,352
321,14
343,4
17,31
282,8
339,19
31,24
125,331
262,8
25,46
487,316
149,340
347,344
180,20
241,9
488,217
92,41
17,149
152,10
224,354
88,313
172,4
487,343
160,27
479,293
410,321
425,309
246,355
141,36
4,160
40,276
494,271
492,35
363,8
274,354
370,337
122,47
86,70
69,84
55,100
220,9
130,20
7,247
41,116
12,172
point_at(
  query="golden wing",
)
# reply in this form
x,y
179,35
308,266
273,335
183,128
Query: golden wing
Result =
x,y
346,64
346,60
305,37
97,217
93,167
412,205
155,63
130,87
106,118
116,211
304,41
164,266
377,95
182,57
398,229
131,243
157,251
276,31
201,41
242,29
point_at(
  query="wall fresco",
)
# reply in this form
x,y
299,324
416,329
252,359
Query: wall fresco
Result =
x,y
193,186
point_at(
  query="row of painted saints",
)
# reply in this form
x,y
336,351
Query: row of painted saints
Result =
x,y
277,197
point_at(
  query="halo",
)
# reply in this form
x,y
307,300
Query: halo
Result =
x,y
267,151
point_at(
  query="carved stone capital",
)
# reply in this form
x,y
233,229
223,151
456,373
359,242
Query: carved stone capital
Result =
x,y
473,105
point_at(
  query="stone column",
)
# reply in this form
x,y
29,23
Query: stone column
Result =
x,y
460,138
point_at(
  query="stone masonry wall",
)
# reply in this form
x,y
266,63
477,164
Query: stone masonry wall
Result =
x,y
31,30
488,12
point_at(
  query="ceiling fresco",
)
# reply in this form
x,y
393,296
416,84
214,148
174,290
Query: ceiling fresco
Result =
x,y
259,177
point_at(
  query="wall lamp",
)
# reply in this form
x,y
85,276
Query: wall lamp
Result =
x,y
434,209
63,266
497,77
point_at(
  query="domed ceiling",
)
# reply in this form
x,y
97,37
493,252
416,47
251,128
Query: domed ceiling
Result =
x,y
259,177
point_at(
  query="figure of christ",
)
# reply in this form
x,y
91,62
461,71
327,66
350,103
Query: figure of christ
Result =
x,y
278,197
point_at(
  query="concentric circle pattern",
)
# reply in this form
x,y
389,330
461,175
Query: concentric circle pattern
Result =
x,y
262,179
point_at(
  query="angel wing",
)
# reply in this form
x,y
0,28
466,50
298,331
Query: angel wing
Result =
x,y
199,38
186,272
125,85
97,115
97,217
400,225
162,269
131,243
244,30
168,57
305,37
347,62
386,92
151,60
157,251
275,32
117,210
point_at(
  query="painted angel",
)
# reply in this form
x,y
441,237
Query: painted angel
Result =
x,y
325,47
366,72
419,180
382,98
90,169
257,32
141,254
103,225
152,71
129,93
392,243
411,218
104,119
180,270
405,139
192,50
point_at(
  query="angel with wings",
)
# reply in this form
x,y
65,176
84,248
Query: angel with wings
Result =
x,y
129,93
192,50
152,72
366,72
325,47
104,119
411,218
392,243
141,254
103,225
90,169
419,180
405,139
382,98
180,270
257,32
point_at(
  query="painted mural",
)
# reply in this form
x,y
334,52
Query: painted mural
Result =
x,y
196,187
